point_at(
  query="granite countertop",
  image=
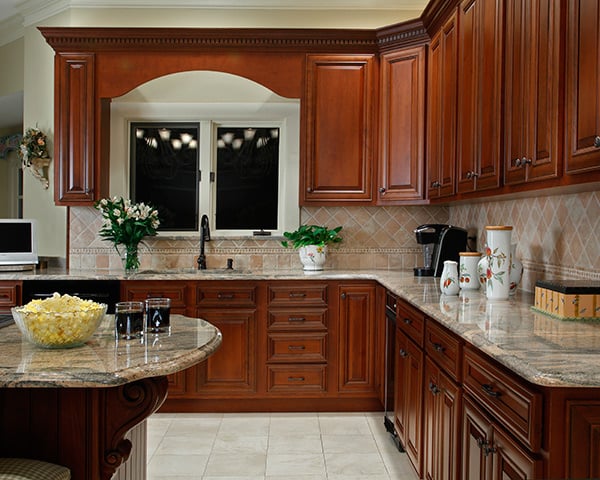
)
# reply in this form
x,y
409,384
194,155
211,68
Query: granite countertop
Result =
x,y
104,362
541,349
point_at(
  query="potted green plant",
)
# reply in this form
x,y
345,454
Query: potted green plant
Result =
x,y
311,242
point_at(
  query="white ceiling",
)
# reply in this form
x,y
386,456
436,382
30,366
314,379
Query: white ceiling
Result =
x,y
16,11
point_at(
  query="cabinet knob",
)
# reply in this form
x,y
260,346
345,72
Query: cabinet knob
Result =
x,y
474,174
528,161
381,189
436,184
433,388
597,142
438,347
309,189
403,353
343,296
469,174
517,162
407,320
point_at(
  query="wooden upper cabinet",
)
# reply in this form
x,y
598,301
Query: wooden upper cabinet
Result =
x,y
531,91
338,123
479,95
402,117
583,87
75,180
441,111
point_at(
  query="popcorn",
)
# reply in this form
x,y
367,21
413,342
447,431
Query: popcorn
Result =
x,y
59,321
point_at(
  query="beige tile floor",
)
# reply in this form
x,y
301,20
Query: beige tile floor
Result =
x,y
273,446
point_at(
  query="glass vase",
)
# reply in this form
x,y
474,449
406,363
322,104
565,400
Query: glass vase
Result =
x,y
130,258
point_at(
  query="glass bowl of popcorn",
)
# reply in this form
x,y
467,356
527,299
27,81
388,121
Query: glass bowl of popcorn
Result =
x,y
60,321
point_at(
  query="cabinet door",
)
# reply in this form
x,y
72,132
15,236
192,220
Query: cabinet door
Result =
x,y
441,111
442,425
408,405
583,459
357,324
476,461
401,161
531,129
10,295
231,370
75,179
479,95
583,87
339,114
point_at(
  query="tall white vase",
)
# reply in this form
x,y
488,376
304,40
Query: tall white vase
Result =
x,y
449,278
497,253
516,270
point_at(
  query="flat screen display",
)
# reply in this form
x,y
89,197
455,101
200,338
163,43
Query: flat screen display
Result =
x,y
18,242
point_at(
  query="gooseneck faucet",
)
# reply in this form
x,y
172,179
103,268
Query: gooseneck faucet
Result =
x,y
204,237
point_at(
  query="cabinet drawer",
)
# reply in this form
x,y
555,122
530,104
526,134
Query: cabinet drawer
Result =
x,y
226,296
295,319
297,294
444,348
9,297
411,321
505,396
304,347
301,378
141,291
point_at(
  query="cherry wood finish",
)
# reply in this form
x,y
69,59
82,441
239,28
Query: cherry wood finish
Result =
x,y
10,294
441,111
339,124
442,425
82,429
531,91
582,87
479,95
402,127
444,348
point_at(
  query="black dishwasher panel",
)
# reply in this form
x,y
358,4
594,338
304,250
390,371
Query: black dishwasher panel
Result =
x,y
101,291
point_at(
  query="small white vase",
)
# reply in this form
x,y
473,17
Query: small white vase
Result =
x,y
468,276
449,278
313,256
516,270
498,262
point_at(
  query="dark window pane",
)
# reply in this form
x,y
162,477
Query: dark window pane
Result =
x,y
247,178
164,172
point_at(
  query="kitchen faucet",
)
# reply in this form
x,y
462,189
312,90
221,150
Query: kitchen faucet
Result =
x,y
204,237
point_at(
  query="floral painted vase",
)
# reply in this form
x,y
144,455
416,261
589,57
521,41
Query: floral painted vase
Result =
x,y
449,278
313,256
516,270
497,254
468,276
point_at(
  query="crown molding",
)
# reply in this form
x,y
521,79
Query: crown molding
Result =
x,y
11,29
410,33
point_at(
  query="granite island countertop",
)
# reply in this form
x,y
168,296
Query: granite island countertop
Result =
x,y
103,361
541,349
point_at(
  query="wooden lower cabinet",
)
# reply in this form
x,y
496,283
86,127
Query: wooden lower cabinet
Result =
x,y
488,452
10,294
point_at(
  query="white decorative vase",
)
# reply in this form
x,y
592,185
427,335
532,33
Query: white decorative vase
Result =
x,y
516,270
449,278
468,276
313,256
497,254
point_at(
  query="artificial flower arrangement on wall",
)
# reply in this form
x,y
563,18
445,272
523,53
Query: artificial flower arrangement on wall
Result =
x,y
34,154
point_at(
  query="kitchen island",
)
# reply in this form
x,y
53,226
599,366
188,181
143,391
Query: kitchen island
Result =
x,y
75,406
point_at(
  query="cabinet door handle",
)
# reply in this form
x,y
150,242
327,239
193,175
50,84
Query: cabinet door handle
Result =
x,y
343,296
225,296
517,162
436,184
296,319
309,189
469,175
433,388
297,294
597,142
490,390
438,347
403,353
382,189
296,347
295,379
407,320
474,174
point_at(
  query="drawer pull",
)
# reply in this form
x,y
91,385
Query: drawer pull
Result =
x,y
297,294
296,319
438,347
485,446
295,379
5,297
407,320
296,347
433,388
225,296
403,353
490,390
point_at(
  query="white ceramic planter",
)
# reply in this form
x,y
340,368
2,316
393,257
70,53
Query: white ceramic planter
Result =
x,y
313,257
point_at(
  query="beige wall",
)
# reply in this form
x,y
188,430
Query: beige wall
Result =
x,y
12,58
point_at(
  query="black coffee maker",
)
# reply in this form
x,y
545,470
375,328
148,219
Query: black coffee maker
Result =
x,y
440,242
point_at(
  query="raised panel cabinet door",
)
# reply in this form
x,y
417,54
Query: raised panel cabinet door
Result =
x,y
338,125
476,463
231,370
511,462
583,439
402,119
531,128
583,87
74,178
356,346
479,95
441,111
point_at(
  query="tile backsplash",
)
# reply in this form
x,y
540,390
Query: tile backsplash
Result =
x,y
557,236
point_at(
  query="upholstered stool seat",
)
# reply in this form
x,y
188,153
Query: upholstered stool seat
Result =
x,y
27,469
